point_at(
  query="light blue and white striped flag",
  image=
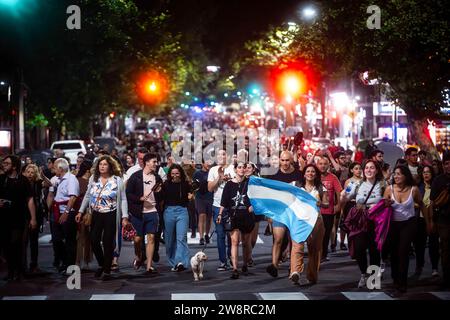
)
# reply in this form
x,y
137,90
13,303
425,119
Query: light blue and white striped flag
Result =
x,y
285,203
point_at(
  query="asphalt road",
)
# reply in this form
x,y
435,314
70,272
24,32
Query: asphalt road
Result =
x,y
338,280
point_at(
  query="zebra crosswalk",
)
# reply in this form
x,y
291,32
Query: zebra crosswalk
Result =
x,y
268,296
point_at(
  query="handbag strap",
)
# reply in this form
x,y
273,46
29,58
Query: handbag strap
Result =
x,y
370,192
100,194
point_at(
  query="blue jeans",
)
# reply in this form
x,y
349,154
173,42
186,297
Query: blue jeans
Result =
x,y
176,223
221,234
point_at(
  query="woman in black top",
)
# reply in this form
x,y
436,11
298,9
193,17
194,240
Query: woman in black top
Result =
x,y
31,172
235,200
176,193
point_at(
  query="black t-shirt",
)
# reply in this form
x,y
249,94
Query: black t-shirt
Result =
x,y
18,191
295,175
202,178
439,184
176,194
234,196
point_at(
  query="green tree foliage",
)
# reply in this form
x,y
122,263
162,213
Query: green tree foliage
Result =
x,y
92,71
410,51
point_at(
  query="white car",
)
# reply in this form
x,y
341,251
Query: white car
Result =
x,y
71,148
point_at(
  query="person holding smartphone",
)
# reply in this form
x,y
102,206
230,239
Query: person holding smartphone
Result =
x,y
143,194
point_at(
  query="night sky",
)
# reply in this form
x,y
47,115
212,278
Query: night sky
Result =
x,y
222,26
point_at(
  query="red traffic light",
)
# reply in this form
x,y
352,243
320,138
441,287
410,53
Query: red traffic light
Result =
x,y
152,87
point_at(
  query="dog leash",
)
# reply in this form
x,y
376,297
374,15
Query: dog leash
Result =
x,y
210,236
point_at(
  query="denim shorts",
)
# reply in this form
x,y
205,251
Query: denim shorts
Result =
x,y
204,206
147,224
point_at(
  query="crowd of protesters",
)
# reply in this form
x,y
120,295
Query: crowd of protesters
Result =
x,y
91,207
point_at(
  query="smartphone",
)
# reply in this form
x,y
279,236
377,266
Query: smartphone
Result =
x,y
156,186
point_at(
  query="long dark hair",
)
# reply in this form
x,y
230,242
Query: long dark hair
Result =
x,y
114,168
351,167
182,173
407,173
85,166
317,179
379,175
422,169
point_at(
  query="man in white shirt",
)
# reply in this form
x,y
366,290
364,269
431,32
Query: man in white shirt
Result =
x,y
412,157
217,178
65,191
140,166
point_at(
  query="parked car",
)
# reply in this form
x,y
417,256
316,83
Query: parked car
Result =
x,y
318,143
71,148
111,142
39,157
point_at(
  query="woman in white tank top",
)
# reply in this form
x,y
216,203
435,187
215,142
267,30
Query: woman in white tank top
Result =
x,y
401,195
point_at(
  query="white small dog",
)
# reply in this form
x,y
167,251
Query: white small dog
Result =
x,y
197,264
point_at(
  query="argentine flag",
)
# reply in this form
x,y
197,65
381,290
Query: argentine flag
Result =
x,y
285,203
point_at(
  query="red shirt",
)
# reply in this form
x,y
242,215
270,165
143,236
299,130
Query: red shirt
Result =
x,y
332,184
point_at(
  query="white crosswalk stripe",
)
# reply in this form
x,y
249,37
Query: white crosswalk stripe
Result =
x,y
193,296
282,296
112,297
442,295
25,298
366,296
45,239
196,240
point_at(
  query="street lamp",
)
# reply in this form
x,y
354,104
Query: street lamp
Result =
x,y
309,13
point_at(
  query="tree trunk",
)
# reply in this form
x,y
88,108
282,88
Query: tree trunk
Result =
x,y
419,132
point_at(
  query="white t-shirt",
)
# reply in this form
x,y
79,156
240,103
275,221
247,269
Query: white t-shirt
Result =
x,y
360,190
413,170
213,175
130,172
150,202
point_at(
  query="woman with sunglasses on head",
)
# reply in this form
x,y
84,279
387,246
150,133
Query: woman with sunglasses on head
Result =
x,y
402,195
236,202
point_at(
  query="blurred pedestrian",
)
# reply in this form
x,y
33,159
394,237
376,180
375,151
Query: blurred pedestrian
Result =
x,y
16,203
334,188
252,170
412,156
203,201
440,199
31,236
426,229
84,247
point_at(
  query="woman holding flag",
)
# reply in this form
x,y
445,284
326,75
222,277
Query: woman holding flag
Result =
x,y
236,202
312,184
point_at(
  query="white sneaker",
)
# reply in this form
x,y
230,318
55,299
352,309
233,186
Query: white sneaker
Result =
x,y
435,273
362,281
